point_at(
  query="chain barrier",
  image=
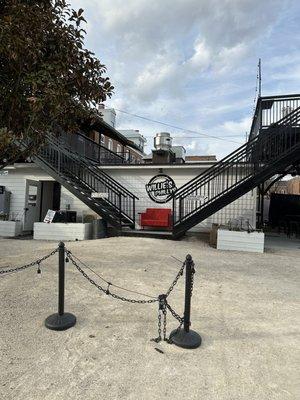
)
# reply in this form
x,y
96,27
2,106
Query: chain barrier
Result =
x,y
23,267
107,291
163,305
106,281
173,284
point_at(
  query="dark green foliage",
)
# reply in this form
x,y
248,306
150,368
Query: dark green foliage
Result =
x,y
46,74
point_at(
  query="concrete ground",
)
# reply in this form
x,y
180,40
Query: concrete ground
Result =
x,y
245,306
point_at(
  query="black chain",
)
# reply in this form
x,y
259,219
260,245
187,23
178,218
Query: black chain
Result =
x,y
179,274
106,281
164,306
23,267
192,278
107,291
174,313
162,312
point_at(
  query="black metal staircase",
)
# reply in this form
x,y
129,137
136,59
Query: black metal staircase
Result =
x,y
274,146
100,192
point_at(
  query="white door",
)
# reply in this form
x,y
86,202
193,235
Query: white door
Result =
x,y
32,204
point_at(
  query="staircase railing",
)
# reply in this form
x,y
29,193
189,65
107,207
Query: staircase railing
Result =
x,y
233,170
271,109
72,167
88,148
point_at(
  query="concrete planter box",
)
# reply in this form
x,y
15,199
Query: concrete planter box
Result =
x,y
240,241
10,228
60,231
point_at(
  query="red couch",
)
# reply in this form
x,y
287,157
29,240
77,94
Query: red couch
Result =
x,y
160,217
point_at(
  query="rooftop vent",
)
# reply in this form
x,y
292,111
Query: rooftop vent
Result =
x,y
163,141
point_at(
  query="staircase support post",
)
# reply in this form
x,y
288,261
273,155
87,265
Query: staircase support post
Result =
x,y
61,321
185,337
120,209
133,212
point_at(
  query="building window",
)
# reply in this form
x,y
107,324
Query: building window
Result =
x,y
119,149
110,144
102,140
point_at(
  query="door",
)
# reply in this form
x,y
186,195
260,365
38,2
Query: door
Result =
x,y
32,204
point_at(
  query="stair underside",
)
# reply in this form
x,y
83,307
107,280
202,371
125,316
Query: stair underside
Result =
x,y
99,206
237,192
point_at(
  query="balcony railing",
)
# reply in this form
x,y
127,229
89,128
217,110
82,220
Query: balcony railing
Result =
x,y
95,152
271,110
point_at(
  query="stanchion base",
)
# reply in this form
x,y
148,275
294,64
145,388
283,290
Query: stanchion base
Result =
x,y
58,322
187,340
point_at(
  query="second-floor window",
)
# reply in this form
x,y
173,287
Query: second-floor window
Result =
x,y
110,144
119,149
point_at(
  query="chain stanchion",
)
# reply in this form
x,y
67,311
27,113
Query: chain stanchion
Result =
x,y
182,336
185,337
26,266
61,321
107,291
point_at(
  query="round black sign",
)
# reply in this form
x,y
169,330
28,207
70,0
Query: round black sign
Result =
x,y
161,188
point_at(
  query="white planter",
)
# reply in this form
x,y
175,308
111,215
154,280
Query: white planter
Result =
x,y
10,228
240,241
61,231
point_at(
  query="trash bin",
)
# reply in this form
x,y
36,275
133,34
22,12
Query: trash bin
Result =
x,y
99,229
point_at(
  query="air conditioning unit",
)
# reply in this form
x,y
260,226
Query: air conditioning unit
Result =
x,y
4,201
179,152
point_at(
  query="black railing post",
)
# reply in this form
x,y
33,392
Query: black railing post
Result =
x,y
61,278
61,321
120,208
133,211
189,270
185,337
180,208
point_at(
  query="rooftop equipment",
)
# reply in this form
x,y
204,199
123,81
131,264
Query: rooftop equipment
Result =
x,y
163,141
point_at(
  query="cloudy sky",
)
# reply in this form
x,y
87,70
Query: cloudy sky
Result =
x,y
193,63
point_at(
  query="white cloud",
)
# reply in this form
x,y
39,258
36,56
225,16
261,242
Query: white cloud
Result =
x,y
201,57
192,62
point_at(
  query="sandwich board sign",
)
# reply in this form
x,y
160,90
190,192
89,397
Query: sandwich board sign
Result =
x,y
49,216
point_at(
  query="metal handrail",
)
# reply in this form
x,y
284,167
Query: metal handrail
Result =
x,y
236,168
284,100
69,165
230,157
96,145
78,156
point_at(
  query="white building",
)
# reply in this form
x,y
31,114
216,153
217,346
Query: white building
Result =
x,y
135,136
34,192
108,115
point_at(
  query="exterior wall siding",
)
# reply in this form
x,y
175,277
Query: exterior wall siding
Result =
x,y
15,182
134,179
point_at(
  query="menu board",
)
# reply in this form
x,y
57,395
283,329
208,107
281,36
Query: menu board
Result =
x,y
49,216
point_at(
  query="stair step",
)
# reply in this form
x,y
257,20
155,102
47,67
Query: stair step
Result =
x,y
88,184
99,195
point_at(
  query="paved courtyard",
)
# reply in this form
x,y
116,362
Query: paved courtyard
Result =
x,y
245,306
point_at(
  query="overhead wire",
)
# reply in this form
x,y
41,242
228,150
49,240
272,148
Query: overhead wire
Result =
x,y
204,135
